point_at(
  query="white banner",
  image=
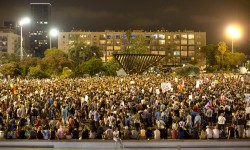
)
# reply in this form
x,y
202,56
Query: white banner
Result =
x,y
165,86
247,96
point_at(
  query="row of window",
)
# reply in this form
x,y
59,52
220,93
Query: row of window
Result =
x,y
132,36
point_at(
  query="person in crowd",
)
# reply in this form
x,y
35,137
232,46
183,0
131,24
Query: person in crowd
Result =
x,y
216,132
136,101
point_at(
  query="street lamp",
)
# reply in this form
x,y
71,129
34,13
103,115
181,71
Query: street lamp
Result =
x,y
21,23
233,32
52,33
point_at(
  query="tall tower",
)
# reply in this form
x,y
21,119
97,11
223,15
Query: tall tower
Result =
x,y
39,31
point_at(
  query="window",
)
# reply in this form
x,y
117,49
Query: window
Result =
x,y
4,43
162,36
191,36
176,53
183,53
161,42
117,36
169,37
183,48
132,36
109,36
191,53
176,36
155,36
184,36
147,36
191,42
183,42
191,48
124,36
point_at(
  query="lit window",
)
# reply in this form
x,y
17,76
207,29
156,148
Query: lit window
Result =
x,y
161,42
190,36
183,53
176,53
154,36
169,37
183,41
184,36
162,36
45,22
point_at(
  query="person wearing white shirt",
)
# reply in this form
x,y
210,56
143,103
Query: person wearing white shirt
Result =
x,y
216,133
221,121
157,134
209,132
248,133
116,138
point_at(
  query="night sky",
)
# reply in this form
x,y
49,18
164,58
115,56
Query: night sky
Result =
x,y
211,16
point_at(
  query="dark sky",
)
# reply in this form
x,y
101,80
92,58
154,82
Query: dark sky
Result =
x,y
211,16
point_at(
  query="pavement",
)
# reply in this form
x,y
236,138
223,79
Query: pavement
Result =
x,y
17,144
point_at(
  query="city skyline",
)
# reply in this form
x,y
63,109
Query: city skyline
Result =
x,y
211,17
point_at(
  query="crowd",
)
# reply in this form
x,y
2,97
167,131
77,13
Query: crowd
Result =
x,y
145,106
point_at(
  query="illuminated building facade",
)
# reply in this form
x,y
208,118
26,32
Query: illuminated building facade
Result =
x,y
180,47
39,32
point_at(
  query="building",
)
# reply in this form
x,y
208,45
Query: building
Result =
x,y
180,47
9,42
39,31
9,39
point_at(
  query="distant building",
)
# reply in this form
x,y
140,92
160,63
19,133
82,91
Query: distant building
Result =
x,y
179,47
39,31
9,42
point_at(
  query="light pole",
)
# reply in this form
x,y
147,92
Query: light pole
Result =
x,y
233,32
52,33
21,23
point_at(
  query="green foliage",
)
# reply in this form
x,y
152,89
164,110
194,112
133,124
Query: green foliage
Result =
x,y
248,66
188,70
210,69
28,62
231,60
67,73
210,51
80,53
10,69
137,46
54,52
4,58
91,67
37,72
111,67
54,62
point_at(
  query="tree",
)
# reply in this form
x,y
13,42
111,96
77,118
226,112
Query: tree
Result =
x,y
231,60
10,69
111,67
91,67
54,62
81,53
37,72
67,73
222,48
137,46
188,70
28,62
210,51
